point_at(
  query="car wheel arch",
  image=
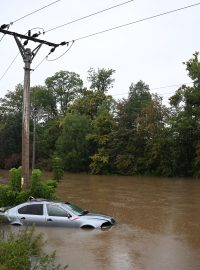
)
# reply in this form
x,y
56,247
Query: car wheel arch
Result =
x,y
87,226
16,224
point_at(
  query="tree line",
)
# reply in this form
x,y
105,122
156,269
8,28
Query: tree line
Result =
x,y
90,131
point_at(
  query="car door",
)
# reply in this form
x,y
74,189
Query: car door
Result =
x,y
30,214
59,217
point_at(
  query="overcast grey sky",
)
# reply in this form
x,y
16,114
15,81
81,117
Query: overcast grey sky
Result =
x,y
152,50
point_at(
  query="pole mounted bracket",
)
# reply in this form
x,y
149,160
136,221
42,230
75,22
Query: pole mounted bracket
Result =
x,y
35,51
26,54
20,46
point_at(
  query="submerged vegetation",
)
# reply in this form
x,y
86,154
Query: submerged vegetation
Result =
x,y
24,250
83,129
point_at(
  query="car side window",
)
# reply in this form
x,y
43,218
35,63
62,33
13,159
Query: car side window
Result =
x,y
54,210
32,209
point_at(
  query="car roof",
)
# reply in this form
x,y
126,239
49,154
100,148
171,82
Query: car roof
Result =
x,y
32,199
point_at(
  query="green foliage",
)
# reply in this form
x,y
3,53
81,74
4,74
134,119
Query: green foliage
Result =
x,y
22,196
126,165
193,68
102,125
7,196
52,183
24,251
90,103
15,179
57,167
65,86
91,132
10,194
72,145
101,80
41,189
47,135
127,146
100,162
43,103
185,125
10,140
12,102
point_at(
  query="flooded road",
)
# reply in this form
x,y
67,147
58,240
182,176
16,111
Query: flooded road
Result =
x,y
158,224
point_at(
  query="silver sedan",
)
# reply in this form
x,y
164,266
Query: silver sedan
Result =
x,y
52,213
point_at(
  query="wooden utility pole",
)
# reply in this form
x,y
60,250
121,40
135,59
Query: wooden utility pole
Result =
x,y
25,119
27,56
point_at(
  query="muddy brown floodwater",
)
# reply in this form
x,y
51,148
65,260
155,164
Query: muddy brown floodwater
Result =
x,y
158,224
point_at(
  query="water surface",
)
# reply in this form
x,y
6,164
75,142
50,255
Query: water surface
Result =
x,y
158,224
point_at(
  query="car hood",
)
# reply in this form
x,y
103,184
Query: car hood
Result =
x,y
100,216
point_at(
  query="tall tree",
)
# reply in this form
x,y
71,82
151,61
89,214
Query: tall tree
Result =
x,y
65,86
156,155
126,146
12,102
72,145
101,80
91,103
186,121
43,103
10,140
102,126
10,128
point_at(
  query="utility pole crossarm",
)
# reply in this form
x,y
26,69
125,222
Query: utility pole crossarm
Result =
x,y
6,32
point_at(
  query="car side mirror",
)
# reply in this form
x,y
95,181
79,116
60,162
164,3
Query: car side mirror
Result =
x,y
68,215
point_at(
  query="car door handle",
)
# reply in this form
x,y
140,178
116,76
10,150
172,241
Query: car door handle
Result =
x,y
23,218
49,219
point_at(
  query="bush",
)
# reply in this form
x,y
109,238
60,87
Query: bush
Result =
x,y
52,183
41,189
24,251
7,196
22,196
15,179
12,195
58,169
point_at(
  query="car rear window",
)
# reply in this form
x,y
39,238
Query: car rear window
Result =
x,y
33,209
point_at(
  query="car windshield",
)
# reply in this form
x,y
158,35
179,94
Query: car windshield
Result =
x,y
74,209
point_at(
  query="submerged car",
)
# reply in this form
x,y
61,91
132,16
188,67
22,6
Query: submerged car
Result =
x,y
43,212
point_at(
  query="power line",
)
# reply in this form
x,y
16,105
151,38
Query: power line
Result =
x,y
31,13
9,67
40,63
87,16
2,37
117,27
72,43
100,32
35,11
46,57
138,21
158,88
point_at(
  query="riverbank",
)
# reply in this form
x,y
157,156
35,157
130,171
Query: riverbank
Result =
x,y
4,176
